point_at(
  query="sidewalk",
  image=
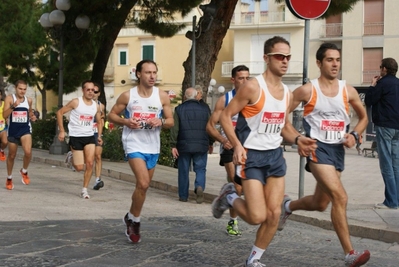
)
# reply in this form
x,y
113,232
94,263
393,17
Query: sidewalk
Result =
x,y
361,178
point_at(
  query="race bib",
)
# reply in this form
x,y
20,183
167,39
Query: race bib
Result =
x,y
95,129
332,130
271,123
85,120
2,125
143,117
20,116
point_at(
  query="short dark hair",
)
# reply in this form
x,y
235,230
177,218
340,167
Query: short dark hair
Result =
x,y
139,66
20,82
390,64
98,85
269,44
238,69
321,52
86,81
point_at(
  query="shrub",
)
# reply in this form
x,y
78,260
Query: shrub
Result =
x,y
113,148
165,156
43,131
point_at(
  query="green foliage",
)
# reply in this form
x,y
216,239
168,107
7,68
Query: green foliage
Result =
x,y
113,148
43,131
165,156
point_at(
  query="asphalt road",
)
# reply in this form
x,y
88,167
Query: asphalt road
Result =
x,y
48,224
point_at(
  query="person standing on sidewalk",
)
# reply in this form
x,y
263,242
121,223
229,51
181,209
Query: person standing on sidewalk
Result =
x,y
99,147
18,110
81,136
190,141
3,127
383,97
263,104
239,75
147,109
326,119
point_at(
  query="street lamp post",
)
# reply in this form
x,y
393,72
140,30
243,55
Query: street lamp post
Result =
x,y
53,22
212,93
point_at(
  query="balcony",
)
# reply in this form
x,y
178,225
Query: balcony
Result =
x,y
368,75
331,30
258,67
264,17
373,28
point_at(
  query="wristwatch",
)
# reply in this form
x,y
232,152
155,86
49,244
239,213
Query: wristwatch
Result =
x,y
356,135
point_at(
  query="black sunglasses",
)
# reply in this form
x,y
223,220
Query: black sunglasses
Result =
x,y
96,92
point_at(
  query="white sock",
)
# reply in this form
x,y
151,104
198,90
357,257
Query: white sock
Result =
x,y
231,197
98,179
256,254
287,206
9,177
234,219
24,170
133,218
84,189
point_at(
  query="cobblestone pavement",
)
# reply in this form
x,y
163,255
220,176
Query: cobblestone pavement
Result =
x,y
47,224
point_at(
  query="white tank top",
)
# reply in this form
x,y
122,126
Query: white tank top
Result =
x,y
260,124
327,118
146,139
82,118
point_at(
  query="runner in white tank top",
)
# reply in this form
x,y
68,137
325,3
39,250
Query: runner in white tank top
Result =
x,y
81,136
263,103
147,109
326,119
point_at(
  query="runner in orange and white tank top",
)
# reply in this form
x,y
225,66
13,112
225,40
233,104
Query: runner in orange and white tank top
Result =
x,y
327,118
263,104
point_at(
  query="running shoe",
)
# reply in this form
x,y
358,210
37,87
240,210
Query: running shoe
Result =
x,y
134,231
284,214
200,194
128,223
98,185
25,177
220,204
9,184
2,156
356,258
232,228
255,263
84,194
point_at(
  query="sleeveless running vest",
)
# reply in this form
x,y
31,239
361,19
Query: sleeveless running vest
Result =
x,y
327,118
95,125
146,139
2,120
81,119
259,125
19,123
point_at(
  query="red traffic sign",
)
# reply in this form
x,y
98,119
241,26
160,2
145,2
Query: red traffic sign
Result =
x,y
172,94
308,9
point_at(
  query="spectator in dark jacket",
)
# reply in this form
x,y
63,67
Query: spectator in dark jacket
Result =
x,y
383,97
190,141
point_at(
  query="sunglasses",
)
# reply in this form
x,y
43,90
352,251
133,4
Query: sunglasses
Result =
x,y
96,92
280,56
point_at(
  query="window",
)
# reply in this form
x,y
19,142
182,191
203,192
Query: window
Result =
x,y
122,60
373,17
148,52
371,63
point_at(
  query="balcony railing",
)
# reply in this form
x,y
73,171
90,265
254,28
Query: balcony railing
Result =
x,y
331,30
373,28
258,67
249,18
368,75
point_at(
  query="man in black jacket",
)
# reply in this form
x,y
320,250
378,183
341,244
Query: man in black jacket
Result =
x,y
190,141
383,97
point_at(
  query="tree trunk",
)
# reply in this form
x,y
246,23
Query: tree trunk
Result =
x,y
208,45
111,33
